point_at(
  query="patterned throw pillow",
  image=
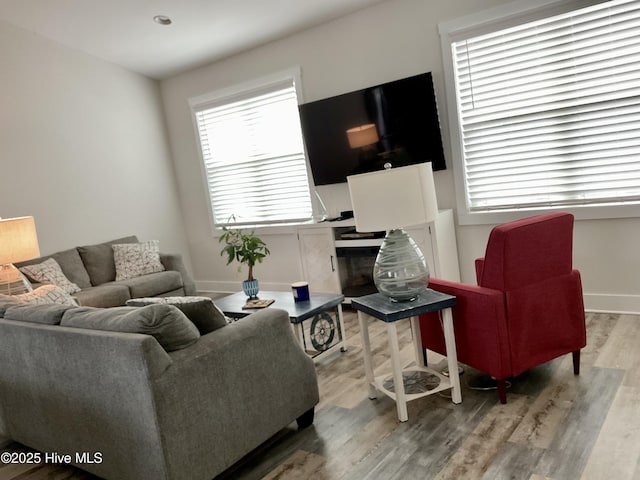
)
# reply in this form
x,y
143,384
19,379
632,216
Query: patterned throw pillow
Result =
x,y
50,272
136,259
42,295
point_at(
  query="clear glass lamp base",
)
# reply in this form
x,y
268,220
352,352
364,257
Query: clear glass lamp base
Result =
x,y
400,272
12,282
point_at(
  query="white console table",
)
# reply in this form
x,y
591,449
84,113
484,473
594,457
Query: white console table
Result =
x,y
318,243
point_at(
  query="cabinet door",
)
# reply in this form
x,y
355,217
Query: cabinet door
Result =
x,y
438,244
319,263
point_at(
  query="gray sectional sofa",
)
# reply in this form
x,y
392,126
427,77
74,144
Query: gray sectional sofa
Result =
x,y
137,410
92,268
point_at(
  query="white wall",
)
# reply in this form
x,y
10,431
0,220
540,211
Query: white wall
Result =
x,y
391,40
83,147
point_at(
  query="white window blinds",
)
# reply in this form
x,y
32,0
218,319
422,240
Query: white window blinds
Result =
x,y
253,156
549,111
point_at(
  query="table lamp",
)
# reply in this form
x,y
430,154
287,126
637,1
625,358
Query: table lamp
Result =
x,y
362,136
18,242
390,200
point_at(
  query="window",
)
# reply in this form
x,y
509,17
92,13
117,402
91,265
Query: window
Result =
x,y
253,154
547,110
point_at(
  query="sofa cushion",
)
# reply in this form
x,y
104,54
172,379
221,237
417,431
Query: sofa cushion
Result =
x,y
70,263
7,301
42,295
153,284
98,260
49,271
200,310
106,295
48,314
136,259
168,325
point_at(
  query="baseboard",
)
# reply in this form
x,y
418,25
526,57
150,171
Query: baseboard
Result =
x,y
612,303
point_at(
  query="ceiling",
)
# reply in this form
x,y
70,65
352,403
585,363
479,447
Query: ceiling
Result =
x,y
123,31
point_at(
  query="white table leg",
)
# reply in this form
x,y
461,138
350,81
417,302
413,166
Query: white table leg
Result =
x,y
299,332
398,381
452,355
417,341
343,333
366,352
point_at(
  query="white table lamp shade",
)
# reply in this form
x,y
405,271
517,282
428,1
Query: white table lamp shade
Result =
x,y
394,198
390,200
18,240
362,136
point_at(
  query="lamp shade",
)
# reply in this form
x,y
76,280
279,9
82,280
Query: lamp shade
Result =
x,y
393,198
18,240
362,136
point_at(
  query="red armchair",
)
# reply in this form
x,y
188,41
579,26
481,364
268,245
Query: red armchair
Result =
x,y
527,308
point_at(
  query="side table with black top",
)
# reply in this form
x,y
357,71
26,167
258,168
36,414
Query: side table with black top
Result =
x,y
380,307
325,333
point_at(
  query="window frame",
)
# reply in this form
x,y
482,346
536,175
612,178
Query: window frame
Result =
x,y
229,93
494,19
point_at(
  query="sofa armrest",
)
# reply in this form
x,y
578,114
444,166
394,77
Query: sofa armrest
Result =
x,y
250,377
86,389
173,261
261,347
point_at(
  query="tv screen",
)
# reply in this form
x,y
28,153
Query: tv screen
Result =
x,y
357,132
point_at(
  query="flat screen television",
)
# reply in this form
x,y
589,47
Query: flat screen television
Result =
x,y
395,122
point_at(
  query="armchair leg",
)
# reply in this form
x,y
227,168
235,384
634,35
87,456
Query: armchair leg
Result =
x,y
576,362
502,390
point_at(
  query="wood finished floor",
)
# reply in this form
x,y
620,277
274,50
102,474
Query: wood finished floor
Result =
x,y
555,426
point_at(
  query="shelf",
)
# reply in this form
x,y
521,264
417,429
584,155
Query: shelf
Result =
x,y
365,242
380,383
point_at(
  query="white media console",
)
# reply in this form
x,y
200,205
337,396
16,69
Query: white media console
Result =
x,y
333,261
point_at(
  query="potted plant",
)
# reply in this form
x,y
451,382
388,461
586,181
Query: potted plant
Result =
x,y
246,249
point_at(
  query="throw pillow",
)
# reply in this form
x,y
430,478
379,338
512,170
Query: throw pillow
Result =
x,y
136,259
49,271
98,260
42,295
205,315
168,325
49,314
70,264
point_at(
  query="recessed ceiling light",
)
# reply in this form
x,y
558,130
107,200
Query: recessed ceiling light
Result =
x,y
162,20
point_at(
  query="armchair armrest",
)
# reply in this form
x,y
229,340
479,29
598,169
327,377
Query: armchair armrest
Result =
x,y
173,261
479,270
480,325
